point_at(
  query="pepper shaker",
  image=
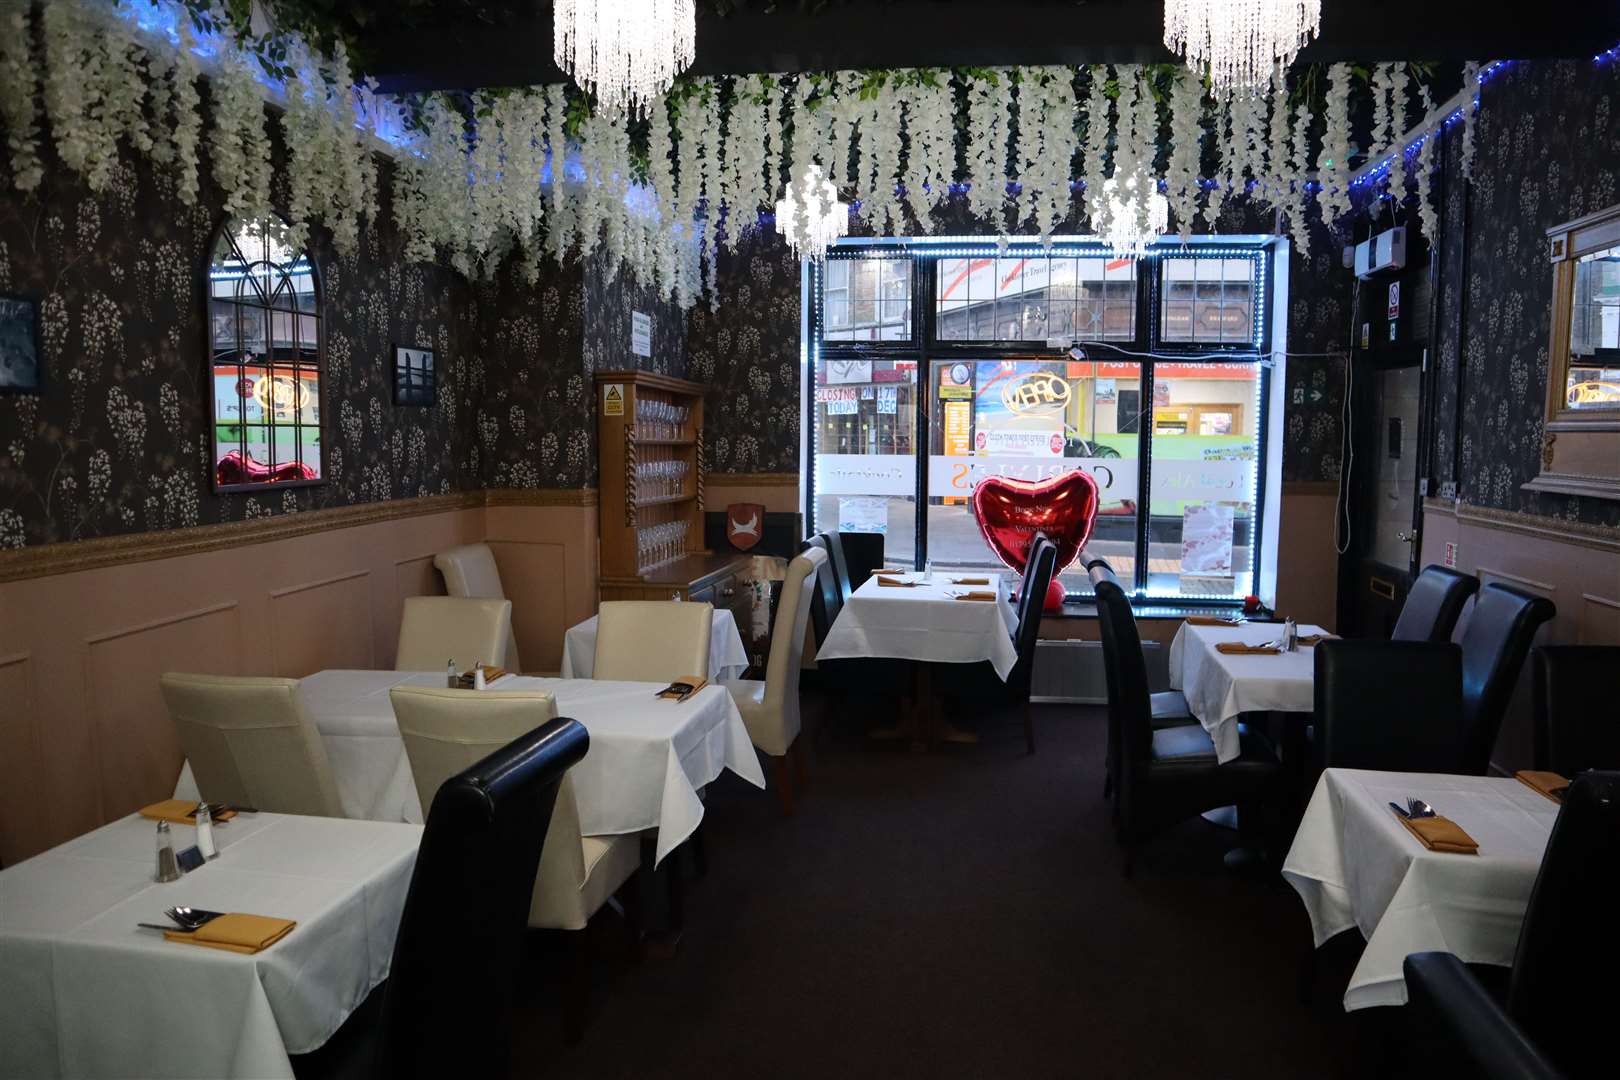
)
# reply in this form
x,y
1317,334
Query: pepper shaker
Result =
x,y
451,679
168,867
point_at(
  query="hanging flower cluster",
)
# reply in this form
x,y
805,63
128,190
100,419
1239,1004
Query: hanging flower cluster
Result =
x,y
1181,180
1471,84
17,97
1425,164
1046,145
1333,160
989,102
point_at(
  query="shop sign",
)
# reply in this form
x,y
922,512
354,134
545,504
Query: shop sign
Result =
x,y
849,371
888,400
1594,393
1039,393
825,394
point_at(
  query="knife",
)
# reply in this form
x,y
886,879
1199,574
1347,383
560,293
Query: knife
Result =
x,y
1399,811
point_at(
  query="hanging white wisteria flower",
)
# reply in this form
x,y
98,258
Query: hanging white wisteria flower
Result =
x,y
880,163
932,158
17,101
1273,190
1186,129
311,156
743,188
1333,159
772,101
1299,162
661,178
1397,123
840,101
559,207
238,144
1127,209
186,122
989,99
1046,145
1095,163
809,216
1471,86
1219,181
82,136
1427,213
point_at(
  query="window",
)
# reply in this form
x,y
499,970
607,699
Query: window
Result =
x,y
1162,400
265,359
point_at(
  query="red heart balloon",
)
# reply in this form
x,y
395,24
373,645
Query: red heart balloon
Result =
x,y
1011,512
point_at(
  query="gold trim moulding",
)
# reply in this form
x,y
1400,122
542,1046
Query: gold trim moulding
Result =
x,y
1557,530
48,560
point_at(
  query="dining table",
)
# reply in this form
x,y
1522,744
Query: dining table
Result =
x,y
648,760
933,617
728,658
1356,866
85,992
1221,687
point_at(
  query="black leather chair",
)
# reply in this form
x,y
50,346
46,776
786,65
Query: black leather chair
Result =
x,y
1494,647
868,678
1168,774
1560,1003
447,1002
839,561
1168,708
1392,705
1433,604
1577,725
827,602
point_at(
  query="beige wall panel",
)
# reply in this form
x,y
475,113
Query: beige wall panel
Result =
x,y
1307,563
322,624
1599,620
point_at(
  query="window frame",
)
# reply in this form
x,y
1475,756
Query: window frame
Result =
x,y
1147,347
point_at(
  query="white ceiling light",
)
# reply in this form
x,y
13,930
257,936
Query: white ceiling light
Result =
x,y
1242,42
627,52
810,216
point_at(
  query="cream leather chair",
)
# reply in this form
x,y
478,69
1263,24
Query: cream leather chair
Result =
x,y
445,731
435,629
250,742
652,640
770,709
470,573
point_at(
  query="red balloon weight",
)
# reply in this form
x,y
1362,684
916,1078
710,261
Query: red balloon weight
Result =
x,y
1011,512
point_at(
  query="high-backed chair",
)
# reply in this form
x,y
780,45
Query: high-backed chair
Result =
x,y
652,640
827,597
1168,774
446,1010
1577,725
470,573
1494,647
1167,708
1557,1016
1433,604
437,629
1390,705
251,743
840,563
770,709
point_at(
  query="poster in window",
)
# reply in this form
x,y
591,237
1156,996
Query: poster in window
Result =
x,y
1206,546
863,515
849,371
888,400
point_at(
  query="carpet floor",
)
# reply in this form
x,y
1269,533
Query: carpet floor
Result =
x,y
955,913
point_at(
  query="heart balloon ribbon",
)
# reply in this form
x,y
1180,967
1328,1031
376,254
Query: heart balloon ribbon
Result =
x,y
1010,513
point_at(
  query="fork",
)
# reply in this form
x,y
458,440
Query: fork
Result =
x,y
1419,808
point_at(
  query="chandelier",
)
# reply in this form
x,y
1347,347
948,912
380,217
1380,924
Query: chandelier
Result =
x,y
1130,213
810,216
1242,42
625,51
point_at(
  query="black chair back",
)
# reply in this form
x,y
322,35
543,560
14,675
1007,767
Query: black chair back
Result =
x,y
1494,648
1577,725
1394,705
1130,701
1569,946
1042,563
840,564
827,600
1433,604
448,1000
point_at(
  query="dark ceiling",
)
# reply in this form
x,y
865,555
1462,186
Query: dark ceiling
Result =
x,y
463,44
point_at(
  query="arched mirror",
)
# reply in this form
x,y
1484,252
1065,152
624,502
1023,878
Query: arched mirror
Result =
x,y
264,336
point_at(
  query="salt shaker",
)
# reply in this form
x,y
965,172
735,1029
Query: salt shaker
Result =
x,y
479,682
168,867
205,832
1290,636
451,679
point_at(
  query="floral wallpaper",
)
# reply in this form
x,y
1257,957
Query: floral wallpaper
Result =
x,y
118,442
610,298
1546,153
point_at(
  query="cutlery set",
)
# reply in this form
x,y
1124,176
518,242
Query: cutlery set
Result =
x,y
1415,809
186,919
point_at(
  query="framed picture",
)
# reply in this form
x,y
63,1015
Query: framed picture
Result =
x,y
21,366
416,378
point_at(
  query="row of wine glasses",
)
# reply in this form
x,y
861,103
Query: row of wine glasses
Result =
x,y
660,419
659,544
661,479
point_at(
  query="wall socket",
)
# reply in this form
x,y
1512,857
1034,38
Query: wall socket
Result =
x,y
1448,490
1451,554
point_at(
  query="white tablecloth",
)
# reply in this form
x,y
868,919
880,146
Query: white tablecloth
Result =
x,y
1219,687
926,623
728,659
1354,865
647,760
84,993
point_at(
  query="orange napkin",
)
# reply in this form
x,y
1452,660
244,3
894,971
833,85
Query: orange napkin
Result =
x,y
1549,784
886,583
1238,648
880,573
1441,834
976,595
1313,639
236,933
696,682
179,811
1212,620
970,581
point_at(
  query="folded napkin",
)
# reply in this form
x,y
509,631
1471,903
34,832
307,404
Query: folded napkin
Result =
x,y
883,572
1212,620
1549,784
696,682
1238,648
977,594
886,583
1440,834
970,581
1313,639
179,812
235,932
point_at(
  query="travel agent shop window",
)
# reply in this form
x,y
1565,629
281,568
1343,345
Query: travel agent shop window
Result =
x,y
935,363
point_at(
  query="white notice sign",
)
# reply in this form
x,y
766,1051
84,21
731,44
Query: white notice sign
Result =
x,y
640,333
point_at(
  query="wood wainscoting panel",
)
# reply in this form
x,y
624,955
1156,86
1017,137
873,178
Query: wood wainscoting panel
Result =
x,y
1599,620
533,578
322,624
415,575
137,751
20,806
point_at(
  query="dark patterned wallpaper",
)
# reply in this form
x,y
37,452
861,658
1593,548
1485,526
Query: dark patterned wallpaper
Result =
x,y
118,442
1548,150
747,349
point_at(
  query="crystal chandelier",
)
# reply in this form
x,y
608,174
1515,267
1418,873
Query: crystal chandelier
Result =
x,y
1241,41
810,216
1130,213
625,51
